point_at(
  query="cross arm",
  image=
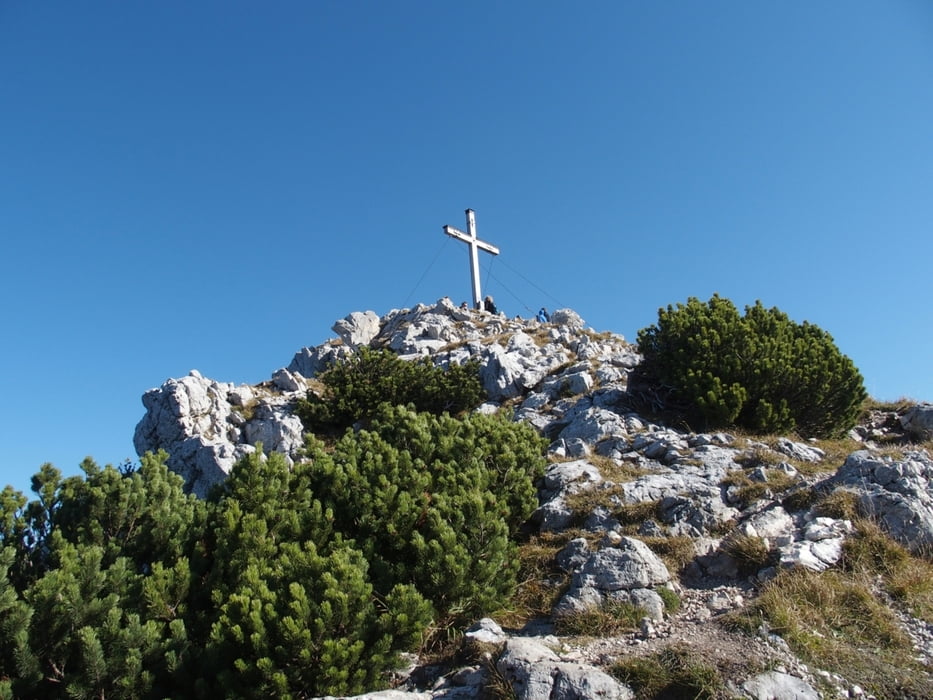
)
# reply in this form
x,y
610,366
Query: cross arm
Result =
x,y
460,235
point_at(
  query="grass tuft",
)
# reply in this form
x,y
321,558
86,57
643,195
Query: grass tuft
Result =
x,y
904,576
832,620
540,582
840,504
673,672
751,553
608,619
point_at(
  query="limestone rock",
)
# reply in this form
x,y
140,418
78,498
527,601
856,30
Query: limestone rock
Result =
x,y
534,672
208,426
486,630
570,384
309,362
623,572
594,425
358,328
501,374
918,421
800,451
896,493
567,317
774,685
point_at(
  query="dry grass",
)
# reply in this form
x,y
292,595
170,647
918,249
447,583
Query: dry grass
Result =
x,y
676,671
609,619
615,472
676,552
840,504
631,515
585,501
836,450
834,621
897,406
799,499
751,553
540,582
904,576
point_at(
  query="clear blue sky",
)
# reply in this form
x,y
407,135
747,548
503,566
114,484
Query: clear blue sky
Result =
x,y
211,185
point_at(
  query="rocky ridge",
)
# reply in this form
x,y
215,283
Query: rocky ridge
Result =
x,y
572,384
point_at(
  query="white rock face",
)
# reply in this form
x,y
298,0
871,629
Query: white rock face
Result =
x,y
775,685
897,493
534,672
626,572
358,328
208,426
798,450
918,421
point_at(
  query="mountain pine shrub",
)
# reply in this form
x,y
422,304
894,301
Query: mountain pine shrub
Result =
x,y
355,387
293,611
433,501
760,371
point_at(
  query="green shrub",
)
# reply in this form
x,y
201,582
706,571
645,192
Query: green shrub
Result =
x,y
291,580
760,371
94,581
355,388
433,501
293,610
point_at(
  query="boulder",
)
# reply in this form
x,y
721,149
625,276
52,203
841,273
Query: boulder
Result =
x,y
501,374
487,631
624,572
358,328
309,362
918,421
569,318
774,685
594,425
799,451
534,672
895,492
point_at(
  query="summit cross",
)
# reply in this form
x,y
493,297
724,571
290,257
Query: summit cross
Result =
x,y
475,244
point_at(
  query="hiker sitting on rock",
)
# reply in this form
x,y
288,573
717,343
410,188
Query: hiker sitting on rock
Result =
x,y
490,305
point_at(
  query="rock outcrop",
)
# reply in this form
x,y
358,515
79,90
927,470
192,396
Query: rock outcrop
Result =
x,y
571,384
207,426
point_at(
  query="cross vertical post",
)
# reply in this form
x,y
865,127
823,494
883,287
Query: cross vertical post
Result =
x,y
475,244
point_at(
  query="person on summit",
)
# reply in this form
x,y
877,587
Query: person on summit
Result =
x,y
490,305
543,316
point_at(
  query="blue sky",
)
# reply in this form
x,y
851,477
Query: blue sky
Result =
x,y
211,185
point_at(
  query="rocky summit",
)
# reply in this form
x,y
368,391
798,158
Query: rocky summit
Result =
x,y
618,482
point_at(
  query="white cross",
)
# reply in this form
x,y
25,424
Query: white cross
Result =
x,y
475,244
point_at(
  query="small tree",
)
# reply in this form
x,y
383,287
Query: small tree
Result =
x,y
762,371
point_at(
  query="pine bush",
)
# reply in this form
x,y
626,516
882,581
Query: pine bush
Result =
x,y
433,501
760,371
293,610
291,580
355,388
